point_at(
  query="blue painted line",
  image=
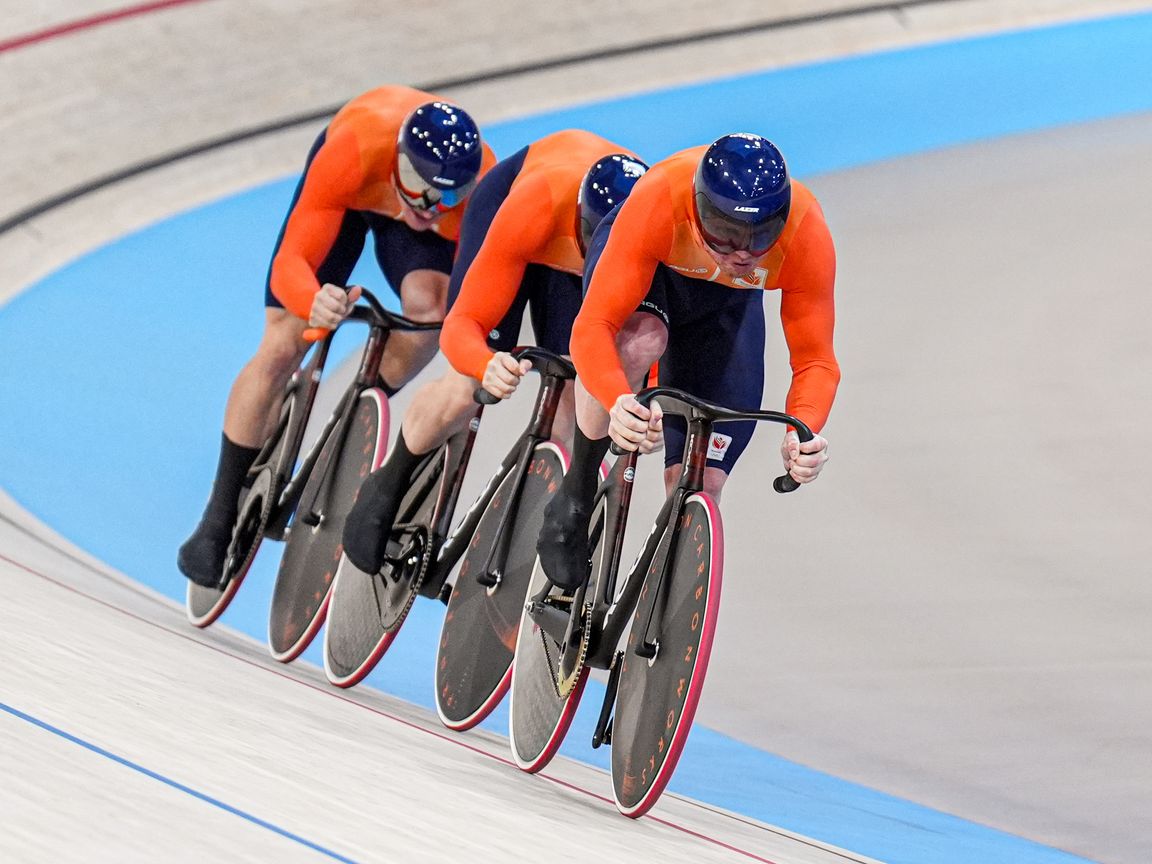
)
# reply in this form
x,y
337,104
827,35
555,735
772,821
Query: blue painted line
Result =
x,y
118,364
215,802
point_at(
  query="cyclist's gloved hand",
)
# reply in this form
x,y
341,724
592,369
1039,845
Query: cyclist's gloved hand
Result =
x,y
634,427
803,461
503,374
331,305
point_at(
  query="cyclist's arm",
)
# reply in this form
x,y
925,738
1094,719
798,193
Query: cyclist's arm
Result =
x,y
807,313
314,223
620,281
521,227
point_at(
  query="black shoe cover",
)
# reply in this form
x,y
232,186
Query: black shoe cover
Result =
x,y
563,543
201,558
369,524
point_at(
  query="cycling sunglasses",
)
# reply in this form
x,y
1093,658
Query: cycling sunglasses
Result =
x,y
419,194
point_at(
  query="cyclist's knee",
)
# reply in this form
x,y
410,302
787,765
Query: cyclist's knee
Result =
x,y
282,345
642,341
424,295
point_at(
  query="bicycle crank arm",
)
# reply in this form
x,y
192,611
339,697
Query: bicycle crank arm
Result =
x,y
554,622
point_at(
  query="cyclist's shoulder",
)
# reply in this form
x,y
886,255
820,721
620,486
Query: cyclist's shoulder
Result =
x,y
380,109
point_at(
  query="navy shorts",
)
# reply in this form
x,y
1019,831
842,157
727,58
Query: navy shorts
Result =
x,y
399,249
553,296
715,351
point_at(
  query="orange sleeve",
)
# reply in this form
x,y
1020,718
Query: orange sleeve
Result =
x,y
640,238
330,182
808,315
522,226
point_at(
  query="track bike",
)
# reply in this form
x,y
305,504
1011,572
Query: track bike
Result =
x,y
318,493
496,540
670,598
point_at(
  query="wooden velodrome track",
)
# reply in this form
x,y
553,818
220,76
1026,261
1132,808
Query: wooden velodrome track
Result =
x,y
964,634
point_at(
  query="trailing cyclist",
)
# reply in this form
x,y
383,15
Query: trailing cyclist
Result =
x,y
675,275
398,163
522,243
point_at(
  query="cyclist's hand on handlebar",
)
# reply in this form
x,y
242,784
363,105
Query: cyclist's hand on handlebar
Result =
x,y
331,305
634,427
803,461
503,374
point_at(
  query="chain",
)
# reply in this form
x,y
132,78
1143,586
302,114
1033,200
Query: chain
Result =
x,y
565,687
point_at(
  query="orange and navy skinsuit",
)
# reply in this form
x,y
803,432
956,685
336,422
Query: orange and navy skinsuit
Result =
x,y
348,189
648,256
518,243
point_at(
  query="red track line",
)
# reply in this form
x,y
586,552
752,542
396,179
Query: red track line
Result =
x,y
335,695
89,22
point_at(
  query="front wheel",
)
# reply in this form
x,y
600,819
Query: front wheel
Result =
x,y
478,639
658,697
312,552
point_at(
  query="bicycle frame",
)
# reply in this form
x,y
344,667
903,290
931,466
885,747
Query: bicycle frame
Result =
x,y
611,611
554,371
381,322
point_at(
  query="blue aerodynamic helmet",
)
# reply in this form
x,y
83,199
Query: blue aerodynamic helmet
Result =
x,y
742,194
606,184
438,156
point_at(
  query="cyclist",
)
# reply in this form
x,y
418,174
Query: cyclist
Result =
x,y
394,161
672,275
522,243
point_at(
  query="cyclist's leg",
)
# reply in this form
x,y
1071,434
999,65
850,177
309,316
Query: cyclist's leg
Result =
x,y
417,265
440,409
715,352
563,544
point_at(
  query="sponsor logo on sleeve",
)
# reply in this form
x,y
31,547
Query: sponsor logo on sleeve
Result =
x,y
718,446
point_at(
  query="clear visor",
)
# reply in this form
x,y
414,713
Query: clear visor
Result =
x,y
726,235
419,194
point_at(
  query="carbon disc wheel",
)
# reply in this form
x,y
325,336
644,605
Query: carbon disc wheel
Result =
x,y
313,552
481,625
657,698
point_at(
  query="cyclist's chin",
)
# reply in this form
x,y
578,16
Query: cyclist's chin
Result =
x,y
738,265
418,220
738,270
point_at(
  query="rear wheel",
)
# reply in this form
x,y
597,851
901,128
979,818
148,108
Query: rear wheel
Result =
x,y
204,605
312,553
365,610
657,698
478,639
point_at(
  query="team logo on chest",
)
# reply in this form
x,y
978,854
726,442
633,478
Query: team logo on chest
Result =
x,y
758,279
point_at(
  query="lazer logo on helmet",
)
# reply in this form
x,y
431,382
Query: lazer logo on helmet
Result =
x,y
747,209
447,181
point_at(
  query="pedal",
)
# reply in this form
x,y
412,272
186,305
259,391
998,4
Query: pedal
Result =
x,y
552,620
